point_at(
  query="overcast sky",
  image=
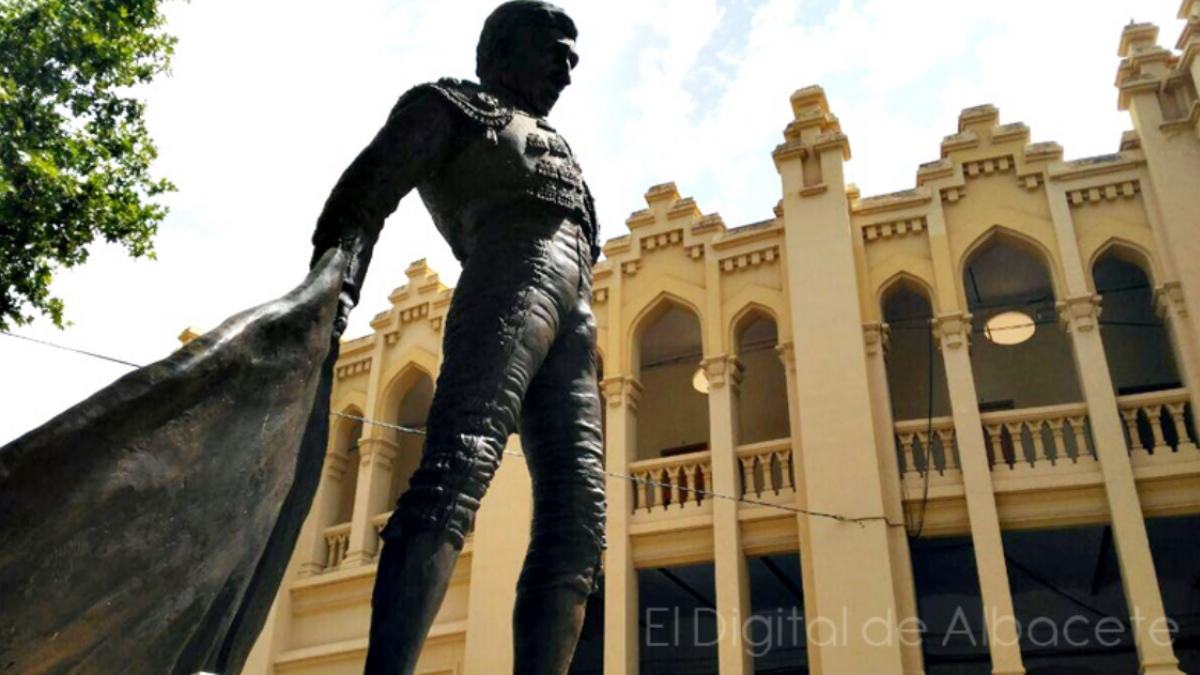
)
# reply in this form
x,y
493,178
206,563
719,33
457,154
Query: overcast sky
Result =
x,y
269,100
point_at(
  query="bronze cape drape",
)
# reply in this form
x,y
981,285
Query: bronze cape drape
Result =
x,y
147,529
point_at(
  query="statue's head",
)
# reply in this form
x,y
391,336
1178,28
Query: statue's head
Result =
x,y
527,51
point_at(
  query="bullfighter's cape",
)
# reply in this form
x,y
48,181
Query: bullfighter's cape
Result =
x,y
147,529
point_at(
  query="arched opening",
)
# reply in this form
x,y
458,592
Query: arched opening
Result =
x,y
916,379
411,400
763,404
1020,356
345,444
1136,342
916,374
1140,356
673,411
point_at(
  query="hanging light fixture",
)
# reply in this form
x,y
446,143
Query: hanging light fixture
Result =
x,y
700,380
1009,328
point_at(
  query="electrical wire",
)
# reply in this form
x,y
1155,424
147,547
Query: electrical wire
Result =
x,y
859,520
707,494
70,349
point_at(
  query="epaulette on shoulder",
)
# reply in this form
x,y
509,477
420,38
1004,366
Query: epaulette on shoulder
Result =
x,y
474,102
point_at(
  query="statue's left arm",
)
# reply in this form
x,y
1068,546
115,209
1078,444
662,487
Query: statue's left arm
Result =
x,y
413,144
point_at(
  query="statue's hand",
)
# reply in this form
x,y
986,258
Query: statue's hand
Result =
x,y
342,318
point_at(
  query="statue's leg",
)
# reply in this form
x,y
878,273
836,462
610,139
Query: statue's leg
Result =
x,y
502,321
561,436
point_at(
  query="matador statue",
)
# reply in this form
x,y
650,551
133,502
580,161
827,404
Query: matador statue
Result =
x,y
146,529
506,193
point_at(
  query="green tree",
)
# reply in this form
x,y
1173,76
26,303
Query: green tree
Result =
x,y
74,151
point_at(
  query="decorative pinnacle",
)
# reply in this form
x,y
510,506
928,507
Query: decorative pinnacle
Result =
x,y
417,269
1137,37
809,99
986,114
662,192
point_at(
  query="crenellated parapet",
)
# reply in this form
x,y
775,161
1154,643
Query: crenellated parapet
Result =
x,y
992,177
423,298
676,252
672,223
414,321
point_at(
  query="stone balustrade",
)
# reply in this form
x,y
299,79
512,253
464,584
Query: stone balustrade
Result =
x,y
378,522
671,483
337,541
1038,437
923,443
1158,424
766,468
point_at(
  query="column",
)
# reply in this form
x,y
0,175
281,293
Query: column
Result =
x,y
875,340
621,394
731,573
1138,576
1080,313
953,335
787,356
376,456
324,510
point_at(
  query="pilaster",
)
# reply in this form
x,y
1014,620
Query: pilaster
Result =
x,y
621,394
1189,40
953,333
1172,152
841,472
1081,316
376,457
732,576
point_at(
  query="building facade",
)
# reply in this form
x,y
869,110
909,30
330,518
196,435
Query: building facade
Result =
x,y
945,430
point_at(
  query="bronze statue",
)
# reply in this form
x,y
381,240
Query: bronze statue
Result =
x,y
146,529
506,193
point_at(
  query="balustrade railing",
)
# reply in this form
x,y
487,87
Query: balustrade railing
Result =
x,y
766,468
1038,437
671,482
337,540
379,521
924,443
1158,423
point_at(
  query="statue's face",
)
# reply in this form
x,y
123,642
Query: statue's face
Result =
x,y
540,66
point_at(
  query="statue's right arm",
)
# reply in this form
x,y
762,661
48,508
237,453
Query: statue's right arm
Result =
x,y
413,143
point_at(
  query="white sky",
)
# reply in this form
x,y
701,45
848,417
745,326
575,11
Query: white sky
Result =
x,y
270,99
